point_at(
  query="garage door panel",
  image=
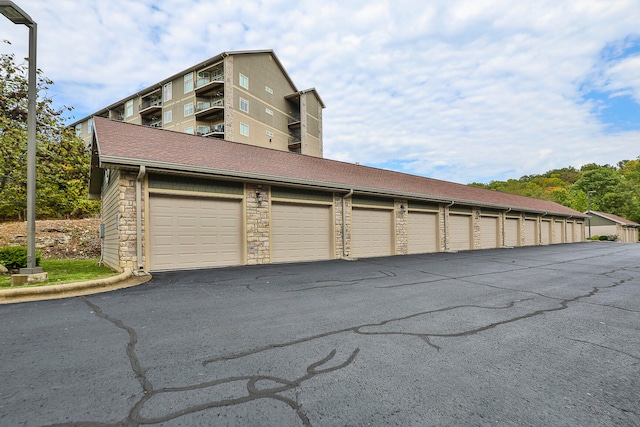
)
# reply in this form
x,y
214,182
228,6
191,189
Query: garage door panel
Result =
x,y
488,232
371,233
545,232
189,232
300,232
530,227
460,232
511,232
423,232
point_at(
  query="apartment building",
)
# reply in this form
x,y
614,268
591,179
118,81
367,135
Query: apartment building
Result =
x,y
241,96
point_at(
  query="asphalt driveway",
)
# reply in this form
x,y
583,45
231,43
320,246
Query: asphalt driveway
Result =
x,y
526,336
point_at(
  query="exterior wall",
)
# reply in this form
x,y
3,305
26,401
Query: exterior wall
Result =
x,y
258,219
402,226
120,217
110,218
269,110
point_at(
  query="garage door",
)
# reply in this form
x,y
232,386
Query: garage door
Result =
x,y
371,232
511,232
580,226
187,232
459,232
569,232
423,232
300,232
557,232
545,232
530,232
488,232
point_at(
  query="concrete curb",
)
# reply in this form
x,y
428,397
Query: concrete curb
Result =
x,y
40,293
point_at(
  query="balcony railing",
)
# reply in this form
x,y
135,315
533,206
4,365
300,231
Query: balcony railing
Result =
x,y
208,130
205,105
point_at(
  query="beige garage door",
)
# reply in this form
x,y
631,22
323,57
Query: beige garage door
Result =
x,y
581,231
511,232
300,232
186,232
488,232
530,228
545,232
423,232
569,232
460,232
557,232
371,232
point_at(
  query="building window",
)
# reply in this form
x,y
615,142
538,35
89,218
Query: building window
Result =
x,y
79,129
168,116
188,109
269,111
188,82
268,89
244,129
128,108
90,126
189,130
244,105
269,133
167,92
244,81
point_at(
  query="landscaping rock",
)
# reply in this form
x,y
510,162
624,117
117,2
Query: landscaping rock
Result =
x,y
3,269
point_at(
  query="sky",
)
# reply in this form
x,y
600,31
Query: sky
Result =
x,y
458,90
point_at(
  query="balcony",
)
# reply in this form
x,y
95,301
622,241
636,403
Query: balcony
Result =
x,y
212,130
209,82
294,144
208,108
150,106
294,122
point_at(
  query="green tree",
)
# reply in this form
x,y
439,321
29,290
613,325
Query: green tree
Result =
x,y
63,160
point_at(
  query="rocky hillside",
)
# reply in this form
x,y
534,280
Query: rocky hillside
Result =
x,y
57,238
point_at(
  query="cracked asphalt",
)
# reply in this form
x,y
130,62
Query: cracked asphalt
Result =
x,y
526,336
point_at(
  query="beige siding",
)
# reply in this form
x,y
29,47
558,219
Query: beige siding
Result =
x,y
110,217
423,232
300,232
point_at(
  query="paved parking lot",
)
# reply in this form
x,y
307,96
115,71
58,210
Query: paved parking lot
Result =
x,y
526,336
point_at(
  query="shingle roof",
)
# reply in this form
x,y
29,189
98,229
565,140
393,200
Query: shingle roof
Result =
x,y
122,145
615,218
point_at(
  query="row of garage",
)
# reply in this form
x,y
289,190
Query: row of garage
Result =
x,y
222,230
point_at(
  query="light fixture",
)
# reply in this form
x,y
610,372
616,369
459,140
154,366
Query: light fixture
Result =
x,y
259,197
18,16
403,209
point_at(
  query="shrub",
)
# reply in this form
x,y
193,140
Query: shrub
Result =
x,y
602,238
612,237
15,257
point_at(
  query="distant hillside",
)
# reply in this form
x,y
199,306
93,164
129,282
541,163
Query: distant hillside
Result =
x,y
616,188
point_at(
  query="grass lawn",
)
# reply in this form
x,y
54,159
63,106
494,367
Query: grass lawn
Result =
x,y
66,271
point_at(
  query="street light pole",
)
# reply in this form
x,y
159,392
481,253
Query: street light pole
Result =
x,y
18,16
589,193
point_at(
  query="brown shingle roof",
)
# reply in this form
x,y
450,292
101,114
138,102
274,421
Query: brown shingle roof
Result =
x,y
127,145
615,218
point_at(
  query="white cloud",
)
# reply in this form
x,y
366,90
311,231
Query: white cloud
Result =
x,y
458,90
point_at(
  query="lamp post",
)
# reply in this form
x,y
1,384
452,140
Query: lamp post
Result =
x,y
18,16
589,193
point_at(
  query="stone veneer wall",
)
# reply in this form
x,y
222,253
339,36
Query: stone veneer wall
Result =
x,y
402,226
258,219
127,225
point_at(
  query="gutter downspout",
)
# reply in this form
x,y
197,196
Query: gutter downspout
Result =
x,y
445,222
139,179
344,219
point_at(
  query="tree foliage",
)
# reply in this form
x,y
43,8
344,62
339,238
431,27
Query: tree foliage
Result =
x,y
617,188
62,164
